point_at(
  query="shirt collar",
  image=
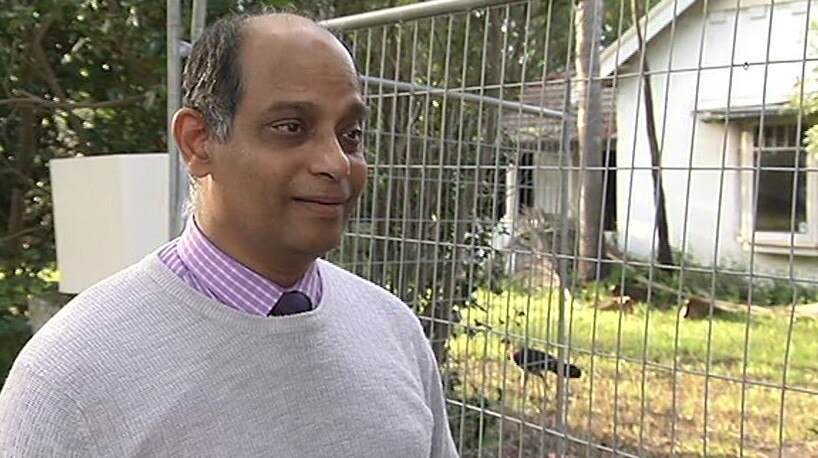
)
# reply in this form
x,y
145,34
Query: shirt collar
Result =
x,y
232,283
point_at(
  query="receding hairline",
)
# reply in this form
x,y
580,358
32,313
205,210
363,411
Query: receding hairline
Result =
x,y
287,18
288,23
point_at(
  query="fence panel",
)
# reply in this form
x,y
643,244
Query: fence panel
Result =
x,y
474,216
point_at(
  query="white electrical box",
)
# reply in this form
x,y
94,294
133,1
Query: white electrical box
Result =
x,y
109,212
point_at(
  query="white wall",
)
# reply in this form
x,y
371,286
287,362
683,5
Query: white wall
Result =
x,y
703,201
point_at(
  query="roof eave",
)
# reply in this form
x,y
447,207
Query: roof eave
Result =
x,y
657,19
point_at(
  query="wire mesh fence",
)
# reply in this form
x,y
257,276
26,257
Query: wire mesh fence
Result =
x,y
534,259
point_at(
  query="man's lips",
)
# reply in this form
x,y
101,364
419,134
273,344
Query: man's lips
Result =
x,y
325,200
328,206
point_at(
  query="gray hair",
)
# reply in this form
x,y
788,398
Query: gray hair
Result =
x,y
212,82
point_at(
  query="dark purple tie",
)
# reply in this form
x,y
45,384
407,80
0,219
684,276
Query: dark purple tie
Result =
x,y
290,303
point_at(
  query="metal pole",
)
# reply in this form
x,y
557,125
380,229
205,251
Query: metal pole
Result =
x,y
198,19
565,166
565,210
178,175
178,178
455,94
406,13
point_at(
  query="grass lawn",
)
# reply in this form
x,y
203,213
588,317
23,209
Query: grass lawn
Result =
x,y
653,383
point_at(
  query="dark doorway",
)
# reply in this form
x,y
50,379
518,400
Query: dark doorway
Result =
x,y
609,216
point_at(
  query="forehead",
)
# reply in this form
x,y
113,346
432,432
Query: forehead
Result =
x,y
293,57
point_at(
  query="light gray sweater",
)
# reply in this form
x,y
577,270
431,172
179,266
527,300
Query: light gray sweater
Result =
x,y
143,365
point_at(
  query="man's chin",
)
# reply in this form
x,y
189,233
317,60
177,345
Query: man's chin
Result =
x,y
319,247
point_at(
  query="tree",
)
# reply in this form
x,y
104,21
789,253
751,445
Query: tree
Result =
x,y
589,128
76,78
664,254
804,101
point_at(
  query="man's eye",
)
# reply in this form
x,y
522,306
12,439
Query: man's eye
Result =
x,y
287,127
353,134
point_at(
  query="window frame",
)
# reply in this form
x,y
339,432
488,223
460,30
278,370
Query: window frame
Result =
x,y
805,244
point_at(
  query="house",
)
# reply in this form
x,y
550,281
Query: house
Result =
x,y
535,179
729,142
725,134
540,139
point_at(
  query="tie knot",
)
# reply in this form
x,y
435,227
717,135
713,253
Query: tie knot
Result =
x,y
290,303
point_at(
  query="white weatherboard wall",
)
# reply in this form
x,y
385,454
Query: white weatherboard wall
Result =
x,y
703,201
109,212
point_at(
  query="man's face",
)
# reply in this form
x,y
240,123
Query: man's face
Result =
x,y
293,168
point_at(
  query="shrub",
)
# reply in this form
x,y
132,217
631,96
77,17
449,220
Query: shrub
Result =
x,y
14,333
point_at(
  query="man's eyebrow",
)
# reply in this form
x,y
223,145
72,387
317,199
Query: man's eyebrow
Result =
x,y
294,105
360,110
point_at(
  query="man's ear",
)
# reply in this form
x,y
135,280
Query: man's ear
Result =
x,y
191,134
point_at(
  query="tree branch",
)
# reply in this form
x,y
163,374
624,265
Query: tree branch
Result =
x,y
31,99
20,233
13,171
40,62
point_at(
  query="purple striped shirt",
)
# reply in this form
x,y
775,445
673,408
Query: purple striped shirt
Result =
x,y
210,271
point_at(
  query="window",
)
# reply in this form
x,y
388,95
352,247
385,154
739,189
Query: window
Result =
x,y
517,193
780,190
537,185
609,216
525,182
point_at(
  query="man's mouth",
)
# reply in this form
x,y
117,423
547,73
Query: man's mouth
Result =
x,y
328,206
323,200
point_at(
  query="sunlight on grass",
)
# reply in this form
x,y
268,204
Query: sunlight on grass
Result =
x,y
649,392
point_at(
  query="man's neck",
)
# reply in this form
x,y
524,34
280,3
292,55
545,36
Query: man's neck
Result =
x,y
284,269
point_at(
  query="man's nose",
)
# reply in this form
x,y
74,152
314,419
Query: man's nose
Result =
x,y
331,160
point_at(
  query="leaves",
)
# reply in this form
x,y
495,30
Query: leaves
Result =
x,y
75,78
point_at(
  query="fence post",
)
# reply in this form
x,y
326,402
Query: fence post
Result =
x,y
177,175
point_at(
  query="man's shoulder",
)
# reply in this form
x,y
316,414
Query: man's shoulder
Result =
x,y
339,276
90,325
109,299
362,290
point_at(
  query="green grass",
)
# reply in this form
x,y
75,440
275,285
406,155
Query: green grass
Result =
x,y
629,371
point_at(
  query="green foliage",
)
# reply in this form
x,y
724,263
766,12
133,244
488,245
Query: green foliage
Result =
x,y
15,287
727,284
806,104
14,333
76,78
472,429
804,101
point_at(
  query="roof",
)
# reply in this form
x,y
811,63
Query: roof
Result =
x,y
741,113
657,19
530,128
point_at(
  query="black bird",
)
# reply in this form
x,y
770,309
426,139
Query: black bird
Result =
x,y
534,361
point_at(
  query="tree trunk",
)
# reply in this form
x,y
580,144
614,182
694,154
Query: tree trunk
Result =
x,y
589,129
664,254
29,120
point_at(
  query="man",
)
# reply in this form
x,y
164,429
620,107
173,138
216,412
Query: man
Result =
x,y
236,339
